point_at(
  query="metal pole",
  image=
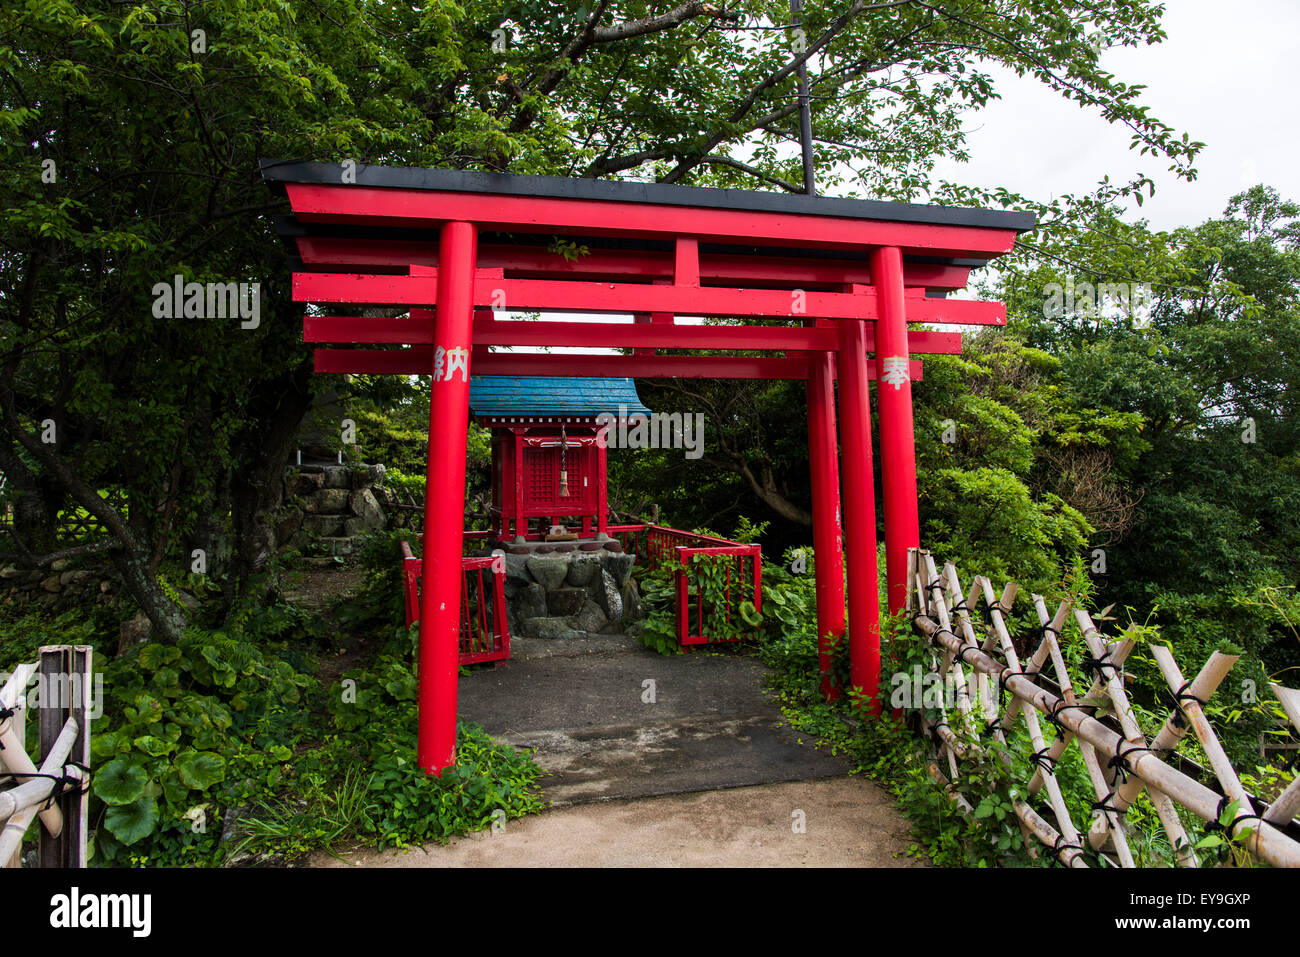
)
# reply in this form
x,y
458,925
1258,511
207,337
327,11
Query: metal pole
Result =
x,y
897,441
859,511
828,540
444,506
805,111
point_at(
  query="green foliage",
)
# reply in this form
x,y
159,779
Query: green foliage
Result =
x,y
994,428
1213,474
228,732
188,730
385,799
728,603
659,601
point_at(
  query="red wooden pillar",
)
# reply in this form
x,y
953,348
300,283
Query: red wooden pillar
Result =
x,y
828,541
897,442
859,511
517,487
498,453
602,492
444,508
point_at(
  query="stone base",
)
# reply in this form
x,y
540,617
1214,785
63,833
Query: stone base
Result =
x,y
577,593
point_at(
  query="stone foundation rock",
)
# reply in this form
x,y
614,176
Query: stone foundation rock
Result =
x,y
570,594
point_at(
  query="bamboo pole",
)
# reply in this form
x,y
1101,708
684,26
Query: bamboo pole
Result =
x,y
26,797
12,693
16,760
37,788
1218,758
938,606
1054,796
13,699
979,686
950,659
1109,676
1167,739
1068,852
1271,845
949,788
1119,652
1287,805
1031,719
1112,822
1290,702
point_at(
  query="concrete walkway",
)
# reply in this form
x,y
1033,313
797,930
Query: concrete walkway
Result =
x,y
611,719
847,821
657,762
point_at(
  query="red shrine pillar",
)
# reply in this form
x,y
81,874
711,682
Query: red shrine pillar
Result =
x,y
859,511
897,441
444,508
602,490
828,541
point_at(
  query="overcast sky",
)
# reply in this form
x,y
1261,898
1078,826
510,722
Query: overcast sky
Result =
x,y
1226,76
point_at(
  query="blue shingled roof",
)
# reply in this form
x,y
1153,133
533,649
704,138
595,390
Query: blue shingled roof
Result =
x,y
552,395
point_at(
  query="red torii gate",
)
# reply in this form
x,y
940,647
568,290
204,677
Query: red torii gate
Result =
x,y
846,276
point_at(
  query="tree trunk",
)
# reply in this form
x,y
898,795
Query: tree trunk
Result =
x,y
36,509
258,489
167,619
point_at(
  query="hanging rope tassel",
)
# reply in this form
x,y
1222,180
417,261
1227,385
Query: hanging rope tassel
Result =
x,y
564,472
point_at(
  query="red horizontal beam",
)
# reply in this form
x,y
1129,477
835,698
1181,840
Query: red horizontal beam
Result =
x,y
419,361
368,205
534,262
360,330
603,297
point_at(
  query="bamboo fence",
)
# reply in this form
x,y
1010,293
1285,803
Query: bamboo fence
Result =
x,y
975,651
56,791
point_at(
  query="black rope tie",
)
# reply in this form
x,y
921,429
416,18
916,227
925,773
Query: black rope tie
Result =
x,y
966,649
1044,761
1054,713
1181,695
1105,806
1061,844
1230,828
992,725
1038,634
1006,674
934,732
1120,761
63,781
1099,665
988,611
5,715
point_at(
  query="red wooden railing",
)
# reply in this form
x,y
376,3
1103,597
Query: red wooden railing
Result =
x,y
485,633
484,629
657,546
